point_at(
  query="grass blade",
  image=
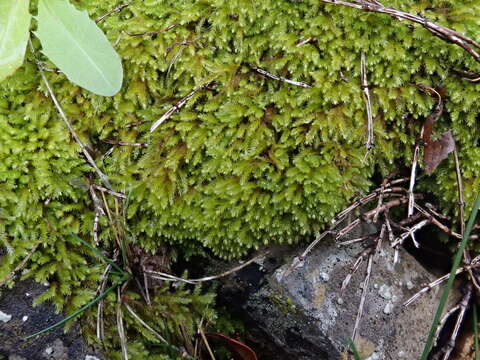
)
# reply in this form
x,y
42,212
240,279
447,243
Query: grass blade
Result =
x,y
99,254
355,352
448,287
79,311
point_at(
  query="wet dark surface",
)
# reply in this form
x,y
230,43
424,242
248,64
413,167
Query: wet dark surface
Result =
x,y
26,320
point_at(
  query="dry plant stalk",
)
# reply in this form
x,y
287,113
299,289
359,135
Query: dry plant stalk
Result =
x,y
366,91
101,175
113,11
281,78
177,107
168,277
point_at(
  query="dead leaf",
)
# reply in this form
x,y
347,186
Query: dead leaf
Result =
x,y
239,350
435,151
438,150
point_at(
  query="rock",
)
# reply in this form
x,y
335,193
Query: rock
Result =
x,y
306,315
54,345
5,317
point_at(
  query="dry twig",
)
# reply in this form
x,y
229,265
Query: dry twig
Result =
x,y
101,175
366,91
281,78
177,107
442,32
168,277
116,10
20,266
151,33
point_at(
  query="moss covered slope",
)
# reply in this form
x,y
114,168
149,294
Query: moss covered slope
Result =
x,y
248,160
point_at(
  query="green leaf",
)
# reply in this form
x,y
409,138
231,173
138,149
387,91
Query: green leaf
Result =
x,y
77,46
14,26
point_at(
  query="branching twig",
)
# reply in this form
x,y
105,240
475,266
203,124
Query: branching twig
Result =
x,y
437,30
438,282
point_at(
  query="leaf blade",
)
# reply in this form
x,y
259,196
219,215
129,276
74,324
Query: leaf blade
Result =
x,y
78,47
14,32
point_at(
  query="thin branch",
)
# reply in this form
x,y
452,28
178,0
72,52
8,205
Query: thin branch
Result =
x,y
366,91
20,266
364,295
144,324
204,338
124,143
176,107
281,78
463,309
355,267
168,277
413,174
116,10
101,175
151,33
120,327
437,282
111,192
437,30
306,41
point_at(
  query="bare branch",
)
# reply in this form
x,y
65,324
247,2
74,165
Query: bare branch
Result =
x,y
437,30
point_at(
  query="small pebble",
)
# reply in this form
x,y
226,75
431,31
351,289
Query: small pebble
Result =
x,y
324,276
49,350
5,317
90,357
385,292
388,308
340,301
25,318
409,285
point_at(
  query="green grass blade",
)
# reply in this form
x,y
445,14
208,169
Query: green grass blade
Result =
x,y
448,287
475,331
99,254
79,311
355,352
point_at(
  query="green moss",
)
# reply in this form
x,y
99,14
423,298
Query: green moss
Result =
x,y
248,160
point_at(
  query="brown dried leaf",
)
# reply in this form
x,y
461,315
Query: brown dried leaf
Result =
x,y
239,350
438,150
435,150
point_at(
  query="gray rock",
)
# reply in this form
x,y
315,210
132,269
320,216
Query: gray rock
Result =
x,y
306,315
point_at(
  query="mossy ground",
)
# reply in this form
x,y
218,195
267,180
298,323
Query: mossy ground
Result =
x,y
249,160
